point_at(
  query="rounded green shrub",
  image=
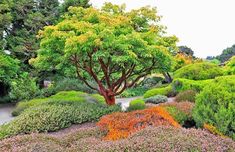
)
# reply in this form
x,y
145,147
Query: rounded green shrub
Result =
x,y
137,104
188,95
156,99
199,71
215,105
166,91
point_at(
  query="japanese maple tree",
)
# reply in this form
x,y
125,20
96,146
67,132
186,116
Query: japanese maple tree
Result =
x,y
113,47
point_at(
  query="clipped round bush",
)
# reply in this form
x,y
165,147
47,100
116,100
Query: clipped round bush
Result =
x,y
166,91
199,71
215,105
188,95
156,99
137,104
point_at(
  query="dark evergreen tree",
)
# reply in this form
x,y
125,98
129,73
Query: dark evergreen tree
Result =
x,y
226,54
67,3
186,50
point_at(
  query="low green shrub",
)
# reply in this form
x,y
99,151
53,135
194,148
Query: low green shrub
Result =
x,y
156,99
185,84
21,106
137,104
215,105
72,96
199,71
133,92
52,116
166,91
188,95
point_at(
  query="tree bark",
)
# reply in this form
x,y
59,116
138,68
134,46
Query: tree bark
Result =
x,y
108,95
167,77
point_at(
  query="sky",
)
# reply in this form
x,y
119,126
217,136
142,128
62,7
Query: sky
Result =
x,y
206,26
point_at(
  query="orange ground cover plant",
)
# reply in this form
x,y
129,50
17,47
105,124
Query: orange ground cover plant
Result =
x,y
121,125
213,130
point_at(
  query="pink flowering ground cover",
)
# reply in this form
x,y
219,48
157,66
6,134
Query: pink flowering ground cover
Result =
x,y
150,139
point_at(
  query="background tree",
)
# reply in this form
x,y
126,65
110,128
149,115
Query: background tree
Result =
x,y
5,21
8,70
21,20
186,50
113,47
67,3
226,54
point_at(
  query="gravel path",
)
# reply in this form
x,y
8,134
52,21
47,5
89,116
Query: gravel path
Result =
x,y
5,113
126,101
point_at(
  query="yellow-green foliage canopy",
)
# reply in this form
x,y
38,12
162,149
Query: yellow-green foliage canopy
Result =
x,y
110,45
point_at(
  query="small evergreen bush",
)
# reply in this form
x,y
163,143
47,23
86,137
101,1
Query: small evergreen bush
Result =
x,y
137,104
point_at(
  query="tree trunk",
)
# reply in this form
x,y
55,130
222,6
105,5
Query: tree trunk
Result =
x,y
108,95
167,77
110,100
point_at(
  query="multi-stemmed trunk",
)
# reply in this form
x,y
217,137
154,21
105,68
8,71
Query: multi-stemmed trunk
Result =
x,y
108,95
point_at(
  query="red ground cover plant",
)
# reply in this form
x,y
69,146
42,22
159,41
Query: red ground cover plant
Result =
x,y
121,125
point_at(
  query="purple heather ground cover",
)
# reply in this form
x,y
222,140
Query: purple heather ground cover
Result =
x,y
89,138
